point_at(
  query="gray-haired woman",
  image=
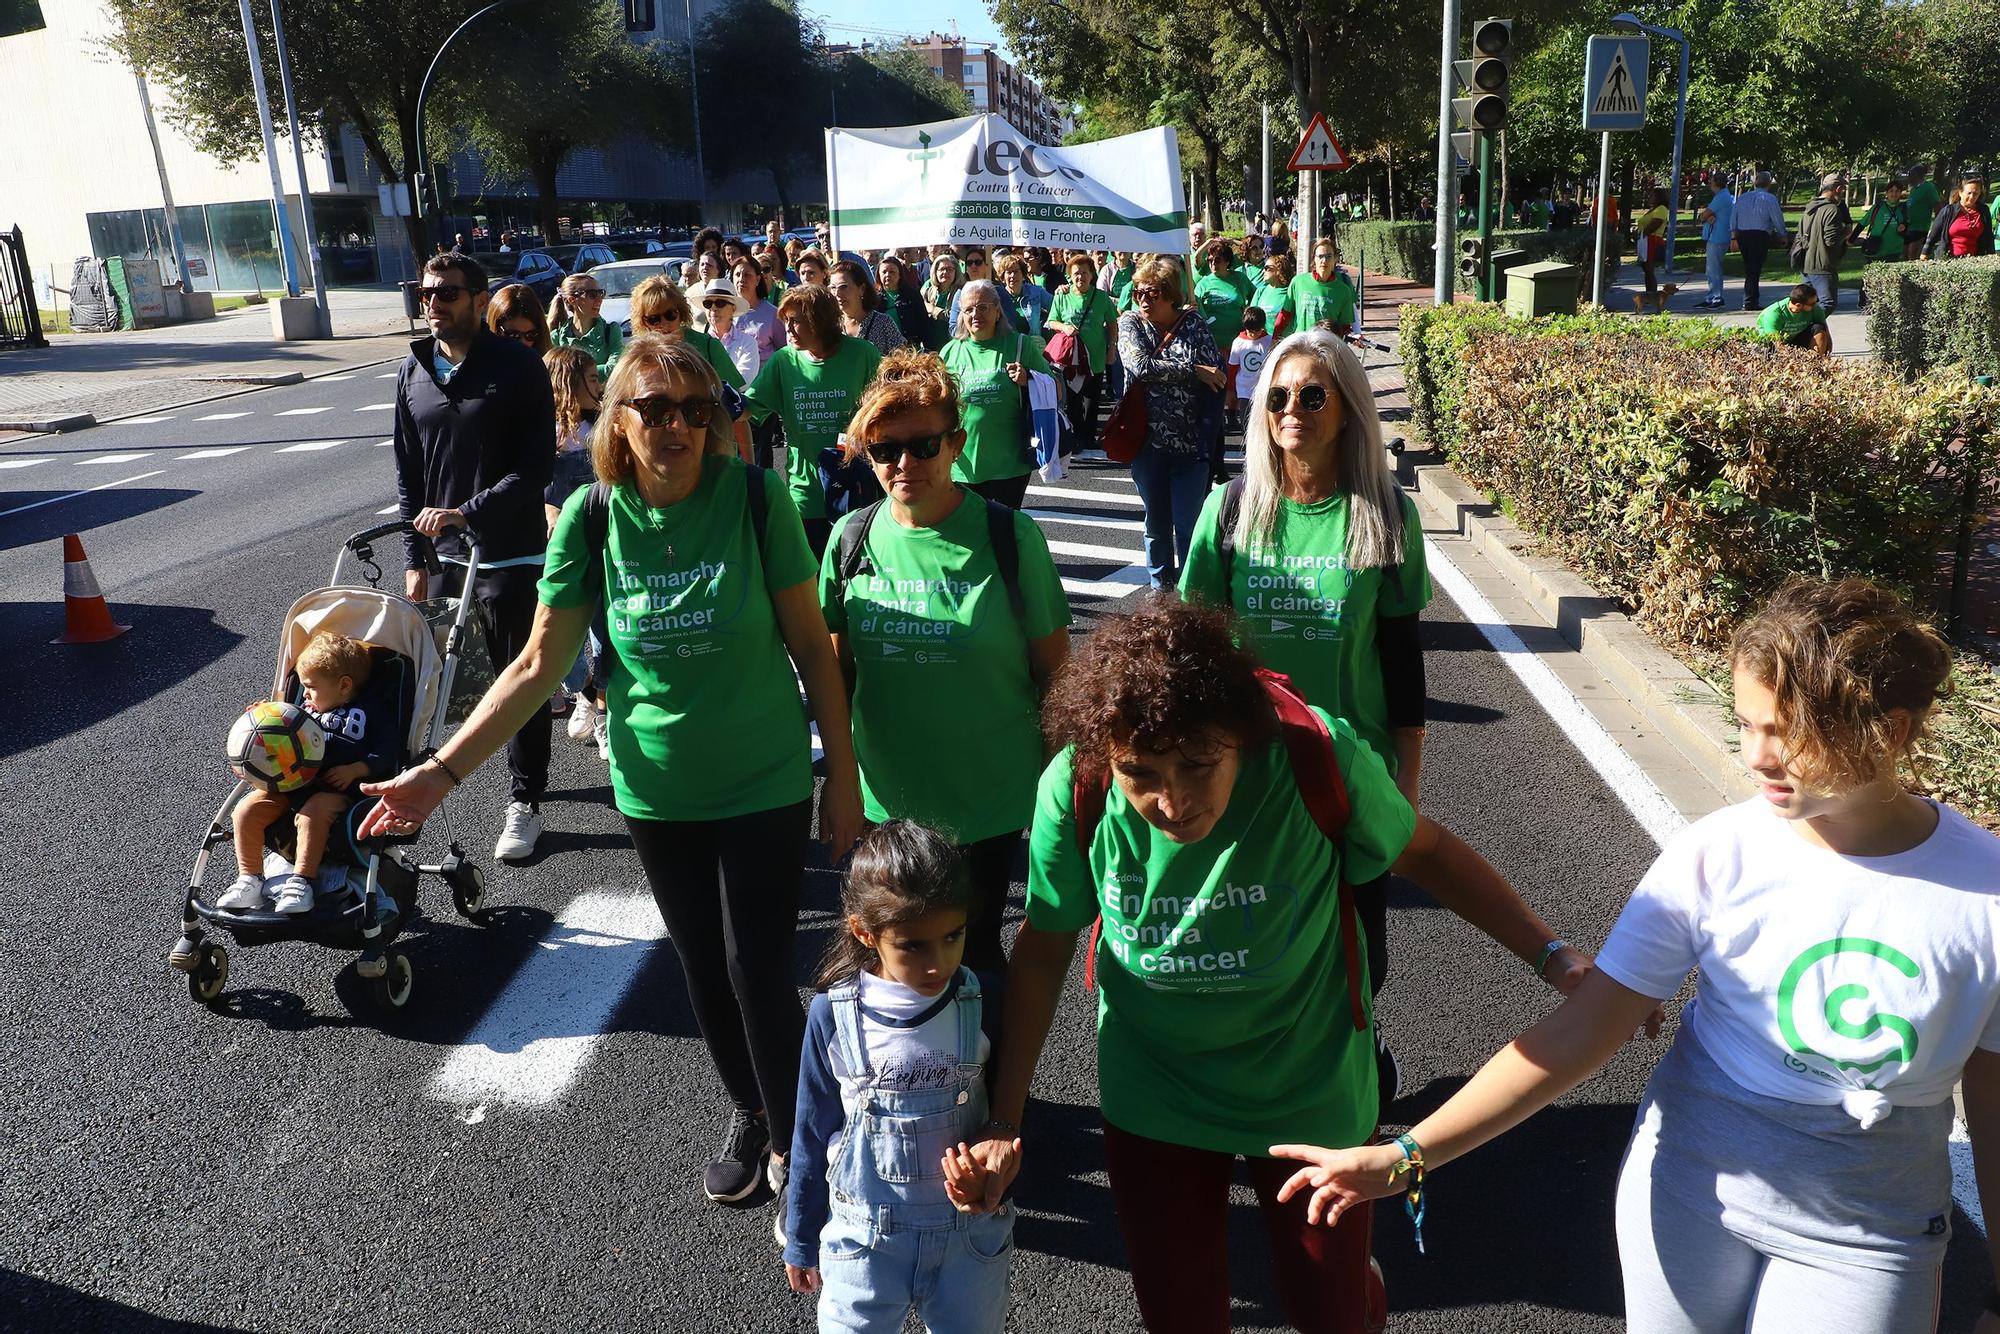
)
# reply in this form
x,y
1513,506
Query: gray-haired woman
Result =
x,y
1321,556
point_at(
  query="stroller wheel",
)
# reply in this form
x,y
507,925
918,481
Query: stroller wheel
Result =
x,y
392,988
209,974
468,890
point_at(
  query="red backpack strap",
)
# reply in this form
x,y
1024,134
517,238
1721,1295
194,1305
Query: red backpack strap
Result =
x,y
1087,794
1309,747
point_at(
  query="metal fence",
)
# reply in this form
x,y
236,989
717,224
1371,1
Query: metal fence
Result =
x,y
20,321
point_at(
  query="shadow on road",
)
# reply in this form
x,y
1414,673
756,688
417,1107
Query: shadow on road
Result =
x,y
49,523
29,1303
79,685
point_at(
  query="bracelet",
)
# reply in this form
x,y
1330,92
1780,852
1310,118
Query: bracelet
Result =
x,y
1549,951
438,760
1412,1166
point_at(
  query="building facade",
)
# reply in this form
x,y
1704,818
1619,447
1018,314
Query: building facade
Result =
x,y
996,86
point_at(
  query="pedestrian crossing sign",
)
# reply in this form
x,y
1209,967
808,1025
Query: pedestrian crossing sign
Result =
x,y
1318,150
1614,84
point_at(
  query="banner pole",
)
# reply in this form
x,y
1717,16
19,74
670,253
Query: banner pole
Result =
x,y
832,201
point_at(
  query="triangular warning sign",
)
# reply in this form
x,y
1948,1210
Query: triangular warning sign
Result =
x,y
1318,150
1616,96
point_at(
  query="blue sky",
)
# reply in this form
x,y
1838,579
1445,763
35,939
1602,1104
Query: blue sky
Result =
x,y
859,20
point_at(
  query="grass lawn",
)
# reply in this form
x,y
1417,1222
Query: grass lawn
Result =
x,y
55,321
223,303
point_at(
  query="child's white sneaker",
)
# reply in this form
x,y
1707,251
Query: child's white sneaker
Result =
x,y
602,731
582,719
295,894
245,895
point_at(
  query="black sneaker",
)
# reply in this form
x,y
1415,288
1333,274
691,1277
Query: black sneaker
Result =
x,y
739,1169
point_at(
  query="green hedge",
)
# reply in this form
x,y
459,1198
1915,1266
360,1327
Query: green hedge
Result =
x,y
1935,313
1686,470
1404,249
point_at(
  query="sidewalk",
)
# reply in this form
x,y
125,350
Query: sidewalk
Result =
x,y
145,370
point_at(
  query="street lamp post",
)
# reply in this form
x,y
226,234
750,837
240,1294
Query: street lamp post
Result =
x,y
1632,22
314,263
1446,289
422,174
282,215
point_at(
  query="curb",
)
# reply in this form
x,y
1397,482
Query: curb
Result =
x,y
74,421
1686,708
259,381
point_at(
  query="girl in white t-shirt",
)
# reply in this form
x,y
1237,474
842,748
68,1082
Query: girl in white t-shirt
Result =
x,y
1788,1170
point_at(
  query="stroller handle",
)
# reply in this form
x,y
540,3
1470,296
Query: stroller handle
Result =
x,y
426,552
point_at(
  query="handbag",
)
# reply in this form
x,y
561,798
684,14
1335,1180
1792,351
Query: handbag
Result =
x,y
1125,429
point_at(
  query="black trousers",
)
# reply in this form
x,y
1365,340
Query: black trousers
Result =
x,y
728,891
1082,408
1009,491
507,597
1754,247
989,864
765,437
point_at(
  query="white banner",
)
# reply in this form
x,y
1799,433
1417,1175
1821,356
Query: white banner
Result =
x,y
981,180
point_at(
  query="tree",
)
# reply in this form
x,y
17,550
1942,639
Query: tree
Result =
x,y
1958,49
525,123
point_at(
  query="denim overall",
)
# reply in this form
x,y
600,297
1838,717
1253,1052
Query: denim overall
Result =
x,y
893,1239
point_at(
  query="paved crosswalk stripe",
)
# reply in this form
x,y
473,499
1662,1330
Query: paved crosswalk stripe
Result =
x,y
222,416
213,453
142,421
310,446
1084,496
533,1041
303,412
108,458
1090,551
1087,520
375,407
331,379
1121,584
390,509
24,463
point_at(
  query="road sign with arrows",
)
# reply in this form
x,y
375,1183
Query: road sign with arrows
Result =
x,y
1318,150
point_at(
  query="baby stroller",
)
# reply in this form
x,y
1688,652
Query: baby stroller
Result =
x,y
382,873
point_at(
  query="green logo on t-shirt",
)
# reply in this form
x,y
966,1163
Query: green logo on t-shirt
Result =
x,y
1837,1000
1211,940
656,611
914,619
1303,595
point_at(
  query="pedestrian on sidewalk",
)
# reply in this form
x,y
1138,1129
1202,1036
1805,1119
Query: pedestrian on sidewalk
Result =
x,y
1922,206
1166,350
1822,239
1885,226
1759,227
474,431
1718,226
586,326
1790,1167
1961,227
1650,228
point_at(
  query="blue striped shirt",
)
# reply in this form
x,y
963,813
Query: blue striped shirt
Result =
x,y
1758,211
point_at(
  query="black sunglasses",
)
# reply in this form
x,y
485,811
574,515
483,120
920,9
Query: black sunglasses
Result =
x,y
655,410
527,336
1142,293
445,292
1312,398
883,453
720,303
587,294
661,317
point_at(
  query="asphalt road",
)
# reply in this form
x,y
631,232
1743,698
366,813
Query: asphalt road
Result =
x,y
285,1162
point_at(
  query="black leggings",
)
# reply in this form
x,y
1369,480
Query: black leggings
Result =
x,y
989,864
508,598
728,891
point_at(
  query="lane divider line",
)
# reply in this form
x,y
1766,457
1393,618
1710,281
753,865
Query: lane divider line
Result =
x,y
213,453
108,458
23,509
376,407
222,416
301,412
25,463
309,446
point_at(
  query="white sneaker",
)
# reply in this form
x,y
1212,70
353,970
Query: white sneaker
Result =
x,y
245,895
295,895
518,835
601,730
582,719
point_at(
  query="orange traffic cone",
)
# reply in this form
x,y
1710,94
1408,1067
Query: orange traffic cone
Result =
x,y
86,619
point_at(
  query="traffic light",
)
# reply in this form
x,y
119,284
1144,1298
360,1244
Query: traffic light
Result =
x,y
1485,77
1472,258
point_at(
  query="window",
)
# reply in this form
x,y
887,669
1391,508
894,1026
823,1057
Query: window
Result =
x,y
336,158
639,16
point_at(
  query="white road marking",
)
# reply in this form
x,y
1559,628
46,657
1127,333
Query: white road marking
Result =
x,y
1118,584
302,412
108,458
142,421
222,416
388,375
534,1040
1087,520
384,444
388,509
310,446
213,453
1090,551
72,495
375,407
1080,496
331,379
24,463
818,753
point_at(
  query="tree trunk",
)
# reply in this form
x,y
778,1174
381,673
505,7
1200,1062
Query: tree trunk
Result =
x,y
1503,176
1211,168
547,209
419,229
1390,193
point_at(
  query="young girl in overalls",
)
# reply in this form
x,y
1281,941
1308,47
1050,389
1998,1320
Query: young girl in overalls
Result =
x,y
884,1211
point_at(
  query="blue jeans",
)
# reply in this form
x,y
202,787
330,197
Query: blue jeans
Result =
x,y
893,1240
1828,287
1173,487
1715,253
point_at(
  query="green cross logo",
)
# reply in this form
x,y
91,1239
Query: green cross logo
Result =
x,y
1839,997
924,155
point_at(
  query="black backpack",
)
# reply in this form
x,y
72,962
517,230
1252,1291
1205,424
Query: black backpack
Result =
x,y
597,523
851,554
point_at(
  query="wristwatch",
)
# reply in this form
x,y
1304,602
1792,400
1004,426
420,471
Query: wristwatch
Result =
x,y
1549,951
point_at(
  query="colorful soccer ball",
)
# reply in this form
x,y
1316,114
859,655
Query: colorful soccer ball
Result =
x,y
275,746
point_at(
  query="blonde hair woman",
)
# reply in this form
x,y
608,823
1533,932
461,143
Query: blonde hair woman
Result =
x,y
659,306
584,326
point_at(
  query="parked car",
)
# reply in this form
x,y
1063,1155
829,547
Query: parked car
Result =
x,y
618,279
533,267
581,258
637,247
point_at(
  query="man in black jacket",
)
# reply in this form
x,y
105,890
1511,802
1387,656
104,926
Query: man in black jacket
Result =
x,y
475,443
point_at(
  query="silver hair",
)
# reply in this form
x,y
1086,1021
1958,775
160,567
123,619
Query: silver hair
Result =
x,y
1375,504
966,293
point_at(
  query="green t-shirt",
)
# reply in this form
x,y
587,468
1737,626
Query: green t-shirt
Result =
x,y
990,404
1222,1014
703,707
1884,225
1221,299
1273,301
1922,205
947,720
1313,300
1779,318
1121,286
1095,315
1306,613
603,342
816,399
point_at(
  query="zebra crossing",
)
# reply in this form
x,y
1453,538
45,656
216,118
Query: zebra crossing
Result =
x,y
1092,522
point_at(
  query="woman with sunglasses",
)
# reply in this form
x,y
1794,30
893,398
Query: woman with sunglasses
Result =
x,y
516,312
1169,357
711,761
1321,556
586,328
813,384
922,613
660,307
861,313
991,365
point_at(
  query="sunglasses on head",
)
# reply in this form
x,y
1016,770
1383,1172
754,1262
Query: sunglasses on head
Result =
x,y
883,453
1312,398
656,410
445,292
